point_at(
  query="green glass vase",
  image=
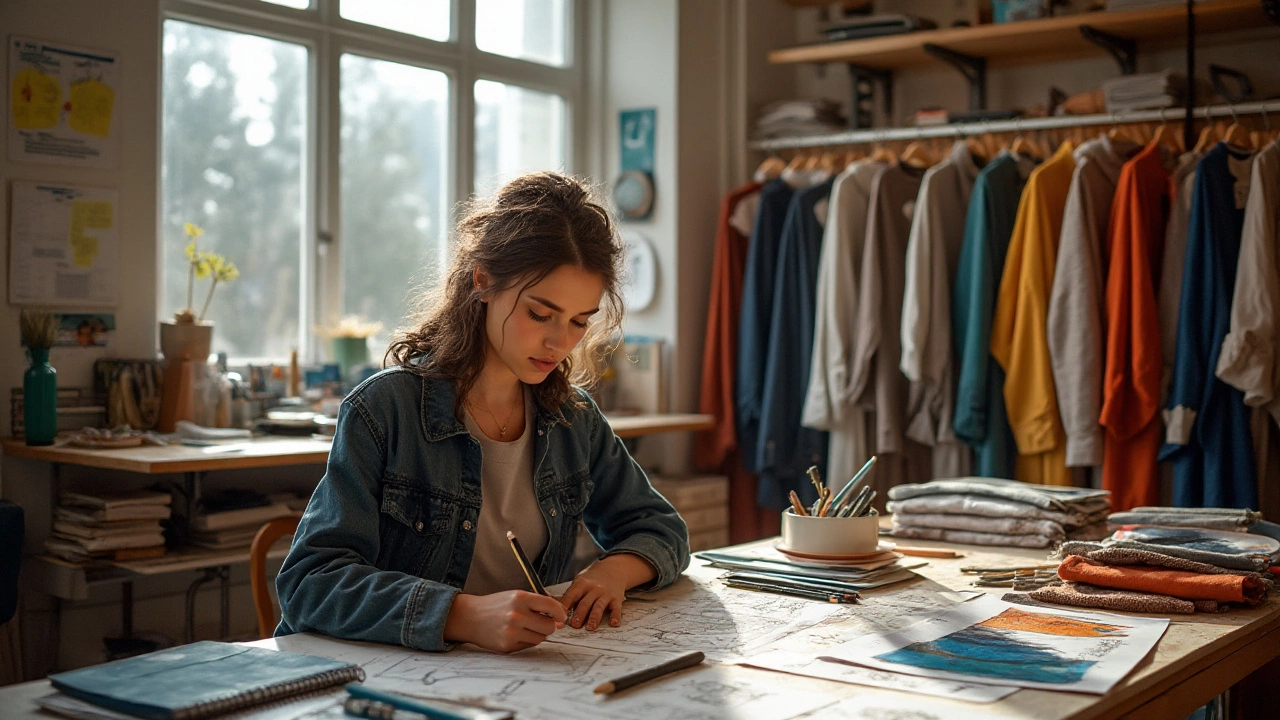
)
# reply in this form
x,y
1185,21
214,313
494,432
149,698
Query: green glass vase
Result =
x,y
40,399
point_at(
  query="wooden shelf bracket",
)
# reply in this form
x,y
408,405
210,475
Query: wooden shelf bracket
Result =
x,y
1124,50
863,100
973,68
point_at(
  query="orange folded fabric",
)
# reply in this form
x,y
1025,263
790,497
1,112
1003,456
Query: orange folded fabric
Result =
x,y
1178,583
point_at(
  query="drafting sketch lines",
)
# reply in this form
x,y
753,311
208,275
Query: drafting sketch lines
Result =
x,y
465,671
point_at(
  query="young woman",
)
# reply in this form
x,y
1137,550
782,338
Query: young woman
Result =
x,y
477,428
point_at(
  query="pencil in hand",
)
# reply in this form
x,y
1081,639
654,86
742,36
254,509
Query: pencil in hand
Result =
x,y
527,567
640,676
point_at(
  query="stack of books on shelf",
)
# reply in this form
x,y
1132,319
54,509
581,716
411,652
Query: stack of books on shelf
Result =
x,y
230,519
703,502
122,526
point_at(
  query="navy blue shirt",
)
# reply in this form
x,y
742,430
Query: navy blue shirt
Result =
x,y
757,310
785,449
1215,467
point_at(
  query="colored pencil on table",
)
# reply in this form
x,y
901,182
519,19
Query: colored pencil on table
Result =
x,y
797,505
847,492
652,673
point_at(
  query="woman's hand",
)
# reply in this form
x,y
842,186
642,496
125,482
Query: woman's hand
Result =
x,y
603,586
505,622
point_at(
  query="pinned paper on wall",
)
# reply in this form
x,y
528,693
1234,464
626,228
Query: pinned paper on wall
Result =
x,y
62,104
62,245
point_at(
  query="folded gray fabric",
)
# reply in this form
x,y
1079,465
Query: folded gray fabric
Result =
x,y
1233,562
1128,556
994,507
1045,497
975,523
1262,527
1095,531
971,538
1210,518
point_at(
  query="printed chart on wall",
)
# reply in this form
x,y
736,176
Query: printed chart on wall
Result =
x,y
62,103
988,640
62,245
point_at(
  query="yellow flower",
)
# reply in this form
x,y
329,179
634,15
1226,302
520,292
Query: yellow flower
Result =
x,y
203,267
191,251
228,271
193,230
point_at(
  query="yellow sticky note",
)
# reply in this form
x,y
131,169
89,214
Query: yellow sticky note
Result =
x,y
37,100
88,215
91,104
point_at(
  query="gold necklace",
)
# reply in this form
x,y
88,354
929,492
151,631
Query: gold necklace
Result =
x,y
502,427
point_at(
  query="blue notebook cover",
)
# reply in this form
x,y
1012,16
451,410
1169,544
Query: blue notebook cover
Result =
x,y
202,680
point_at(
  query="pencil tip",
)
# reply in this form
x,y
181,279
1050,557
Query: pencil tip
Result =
x,y
604,688
511,535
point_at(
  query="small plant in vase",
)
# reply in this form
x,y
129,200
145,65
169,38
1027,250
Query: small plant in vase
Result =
x,y
350,338
40,381
188,336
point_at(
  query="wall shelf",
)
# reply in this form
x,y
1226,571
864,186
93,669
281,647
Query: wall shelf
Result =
x,y
1055,38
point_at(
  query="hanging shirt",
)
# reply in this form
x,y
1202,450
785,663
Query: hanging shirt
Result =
x,y
980,419
720,347
828,403
1131,382
1181,183
933,251
785,449
876,380
757,309
1250,358
1019,333
1208,437
1075,304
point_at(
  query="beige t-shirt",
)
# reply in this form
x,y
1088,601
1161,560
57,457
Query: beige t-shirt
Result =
x,y
507,502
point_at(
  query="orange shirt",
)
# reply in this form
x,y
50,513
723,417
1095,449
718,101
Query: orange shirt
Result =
x,y
1131,373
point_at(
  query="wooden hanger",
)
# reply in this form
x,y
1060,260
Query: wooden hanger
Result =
x,y
770,168
1163,137
880,153
1237,134
1022,146
1208,135
916,155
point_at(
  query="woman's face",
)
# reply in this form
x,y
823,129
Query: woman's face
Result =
x,y
531,331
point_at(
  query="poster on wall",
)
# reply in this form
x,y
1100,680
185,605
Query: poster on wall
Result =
x,y
62,245
62,104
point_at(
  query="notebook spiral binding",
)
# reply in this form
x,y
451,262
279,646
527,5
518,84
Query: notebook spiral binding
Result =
x,y
260,695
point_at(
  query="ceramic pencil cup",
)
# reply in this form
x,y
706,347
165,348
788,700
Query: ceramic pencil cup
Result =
x,y
830,535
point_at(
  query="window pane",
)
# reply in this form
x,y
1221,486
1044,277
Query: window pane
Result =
x,y
526,29
232,162
517,130
424,18
394,159
300,4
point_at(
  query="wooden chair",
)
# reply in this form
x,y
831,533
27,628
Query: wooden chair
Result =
x,y
267,536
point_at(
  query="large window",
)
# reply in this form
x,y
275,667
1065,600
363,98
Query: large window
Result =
x,y
323,144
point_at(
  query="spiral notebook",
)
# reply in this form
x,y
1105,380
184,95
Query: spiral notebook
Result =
x,y
202,680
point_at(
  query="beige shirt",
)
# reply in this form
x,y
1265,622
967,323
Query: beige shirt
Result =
x,y
507,502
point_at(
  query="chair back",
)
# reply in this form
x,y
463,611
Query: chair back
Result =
x,y
267,535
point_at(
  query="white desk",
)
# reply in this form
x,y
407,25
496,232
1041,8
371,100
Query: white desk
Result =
x,y
1198,658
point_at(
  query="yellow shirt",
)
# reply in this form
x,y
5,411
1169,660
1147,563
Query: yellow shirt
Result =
x,y
1019,340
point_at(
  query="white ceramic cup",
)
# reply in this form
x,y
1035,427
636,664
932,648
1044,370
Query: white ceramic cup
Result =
x,y
830,535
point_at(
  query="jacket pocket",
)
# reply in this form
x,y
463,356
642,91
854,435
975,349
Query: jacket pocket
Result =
x,y
412,526
572,496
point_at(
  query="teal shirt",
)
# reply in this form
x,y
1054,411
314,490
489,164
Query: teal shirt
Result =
x,y
980,419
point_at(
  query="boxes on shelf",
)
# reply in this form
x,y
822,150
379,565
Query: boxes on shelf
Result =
x,y
703,502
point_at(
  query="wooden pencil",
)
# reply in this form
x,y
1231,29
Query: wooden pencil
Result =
x,y
640,676
797,505
534,581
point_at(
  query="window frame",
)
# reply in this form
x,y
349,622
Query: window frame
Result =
x,y
327,36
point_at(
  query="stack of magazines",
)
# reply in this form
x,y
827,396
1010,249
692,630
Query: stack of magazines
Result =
x,y
100,526
818,578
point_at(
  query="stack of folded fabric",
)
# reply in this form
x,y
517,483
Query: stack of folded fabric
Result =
x,y
1146,90
1166,569
1232,519
799,117
988,511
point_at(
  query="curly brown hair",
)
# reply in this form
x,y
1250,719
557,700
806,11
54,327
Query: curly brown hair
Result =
x,y
531,226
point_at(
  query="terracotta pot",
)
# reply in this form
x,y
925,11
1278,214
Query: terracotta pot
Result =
x,y
185,340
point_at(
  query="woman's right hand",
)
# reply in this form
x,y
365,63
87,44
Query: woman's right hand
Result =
x,y
505,621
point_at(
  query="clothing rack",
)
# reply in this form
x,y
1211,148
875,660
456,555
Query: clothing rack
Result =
x,y
1171,115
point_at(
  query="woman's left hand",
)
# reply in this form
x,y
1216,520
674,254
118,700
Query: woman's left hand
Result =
x,y
602,587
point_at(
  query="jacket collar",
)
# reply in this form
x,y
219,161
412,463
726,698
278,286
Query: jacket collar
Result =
x,y
439,422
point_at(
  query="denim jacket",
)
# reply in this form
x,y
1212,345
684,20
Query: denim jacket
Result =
x,y
387,538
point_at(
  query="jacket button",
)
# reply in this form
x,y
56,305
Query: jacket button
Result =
x,y
466,524
553,512
418,527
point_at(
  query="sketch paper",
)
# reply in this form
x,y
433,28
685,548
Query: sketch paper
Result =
x,y
809,666
859,709
62,245
555,681
697,614
63,104
991,641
